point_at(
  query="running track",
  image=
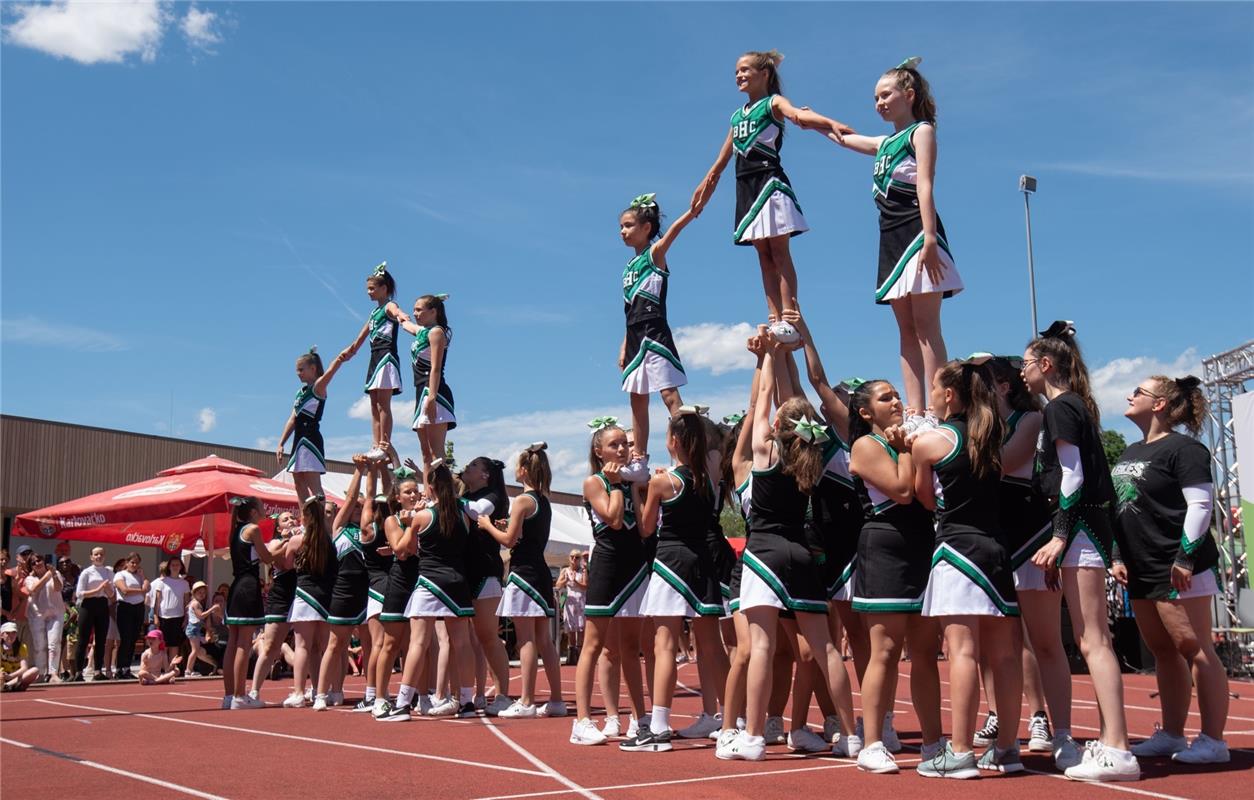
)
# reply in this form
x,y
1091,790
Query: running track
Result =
x,y
123,740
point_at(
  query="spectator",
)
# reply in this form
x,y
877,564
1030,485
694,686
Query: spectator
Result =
x,y
132,589
15,673
169,596
155,665
45,613
216,631
198,618
574,579
69,572
17,603
6,586
94,590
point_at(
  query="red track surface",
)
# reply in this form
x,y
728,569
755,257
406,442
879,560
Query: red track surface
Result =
x,y
105,740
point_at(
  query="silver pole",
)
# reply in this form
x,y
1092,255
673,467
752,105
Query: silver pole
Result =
x,y
1027,211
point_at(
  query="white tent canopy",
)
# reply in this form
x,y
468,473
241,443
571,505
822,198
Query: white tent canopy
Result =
x,y
571,528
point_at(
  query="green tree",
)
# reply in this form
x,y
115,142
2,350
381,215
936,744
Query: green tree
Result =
x,y
1114,444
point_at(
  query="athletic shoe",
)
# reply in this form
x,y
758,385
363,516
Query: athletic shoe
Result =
x,y
553,708
997,760
1105,764
309,694
481,702
375,454
742,748
636,470
1066,752
294,700
517,710
831,728
424,704
583,731
611,728
381,708
929,751
681,658
363,706
245,702
877,758
447,707
320,702
1160,745
702,727
227,702
499,703
648,742
725,738
804,740
1040,739
847,746
634,726
77,677
890,734
335,698
1204,750
987,735
467,710
948,764
774,733
395,714
784,333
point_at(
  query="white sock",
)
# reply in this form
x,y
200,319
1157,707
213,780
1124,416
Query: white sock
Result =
x,y
466,695
405,696
369,694
660,722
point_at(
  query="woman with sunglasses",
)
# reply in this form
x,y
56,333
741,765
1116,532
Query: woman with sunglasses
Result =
x,y
1163,486
45,612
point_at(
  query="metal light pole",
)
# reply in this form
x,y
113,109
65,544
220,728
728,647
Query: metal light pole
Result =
x,y
1027,185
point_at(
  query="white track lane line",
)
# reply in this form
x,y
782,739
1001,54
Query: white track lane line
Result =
x,y
552,773
174,787
1118,787
306,739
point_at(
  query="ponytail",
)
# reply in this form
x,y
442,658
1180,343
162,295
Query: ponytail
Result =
x,y
1059,345
689,433
436,301
311,357
802,459
536,463
315,547
972,383
447,505
908,77
241,509
1186,403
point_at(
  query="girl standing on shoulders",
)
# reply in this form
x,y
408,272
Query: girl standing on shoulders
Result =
x,y
1074,478
916,268
433,412
244,608
528,595
307,463
1163,486
767,211
383,376
649,359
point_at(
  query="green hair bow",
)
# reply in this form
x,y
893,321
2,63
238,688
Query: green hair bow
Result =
x,y
976,359
403,473
645,201
442,297
850,385
910,63
380,270
809,430
733,419
603,422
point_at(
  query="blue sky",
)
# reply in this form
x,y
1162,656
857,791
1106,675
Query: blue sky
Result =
x,y
192,195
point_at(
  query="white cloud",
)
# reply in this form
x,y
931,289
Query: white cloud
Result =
x,y
1114,381
716,347
207,419
266,442
402,410
90,33
36,332
198,27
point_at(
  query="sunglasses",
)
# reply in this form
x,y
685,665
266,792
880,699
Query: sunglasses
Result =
x,y
1139,392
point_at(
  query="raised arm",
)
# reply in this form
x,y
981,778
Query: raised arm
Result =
x,y
834,409
350,494
320,385
761,418
668,238
705,189
367,509
866,145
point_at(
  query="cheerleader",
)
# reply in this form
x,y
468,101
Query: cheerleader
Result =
x,y
313,554
278,599
528,596
307,463
767,210
347,609
780,571
1163,486
971,585
441,533
244,609
485,496
402,578
684,584
916,267
383,375
433,412
378,558
894,557
617,578
1072,475
649,359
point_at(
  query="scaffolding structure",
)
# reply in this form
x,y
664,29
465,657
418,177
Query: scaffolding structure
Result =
x,y
1224,376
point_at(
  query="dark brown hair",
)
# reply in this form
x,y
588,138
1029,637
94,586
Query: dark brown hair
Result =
x,y
1186,403
924,106
1064,352
973,385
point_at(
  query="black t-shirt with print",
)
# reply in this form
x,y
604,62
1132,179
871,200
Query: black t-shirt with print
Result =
x,y
1150,507
1067,418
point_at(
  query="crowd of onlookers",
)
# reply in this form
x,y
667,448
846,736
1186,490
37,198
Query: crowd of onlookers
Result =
x,y
63,622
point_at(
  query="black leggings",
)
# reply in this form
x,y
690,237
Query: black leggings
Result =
x,y
93,622
130,620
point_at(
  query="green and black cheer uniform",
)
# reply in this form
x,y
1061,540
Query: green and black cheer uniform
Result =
x,y
652,358
243,600
619,566
352,582
420,354
402,578
837,515
442,590
483,558
529,588
307,433
384,371
765,203
685,580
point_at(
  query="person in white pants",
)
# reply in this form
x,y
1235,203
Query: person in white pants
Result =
x,y
45,613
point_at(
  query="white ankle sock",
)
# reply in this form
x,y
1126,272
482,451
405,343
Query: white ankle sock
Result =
x,y
660,721
405,696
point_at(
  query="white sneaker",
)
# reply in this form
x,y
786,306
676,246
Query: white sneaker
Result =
x,y
636,725
611,728
847,746
876,758
743,748
1106,764
1066,752
381,707
784,333
804,740
1160,745
890,734
375,454
553,708
294,700
1204,750
335,698
774,733
309,694
1040,740
929,751
636,470
424,704
320,702
725,738
516,710
481,702
584,731
247,701
447,707
702,727
831,728
499,703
